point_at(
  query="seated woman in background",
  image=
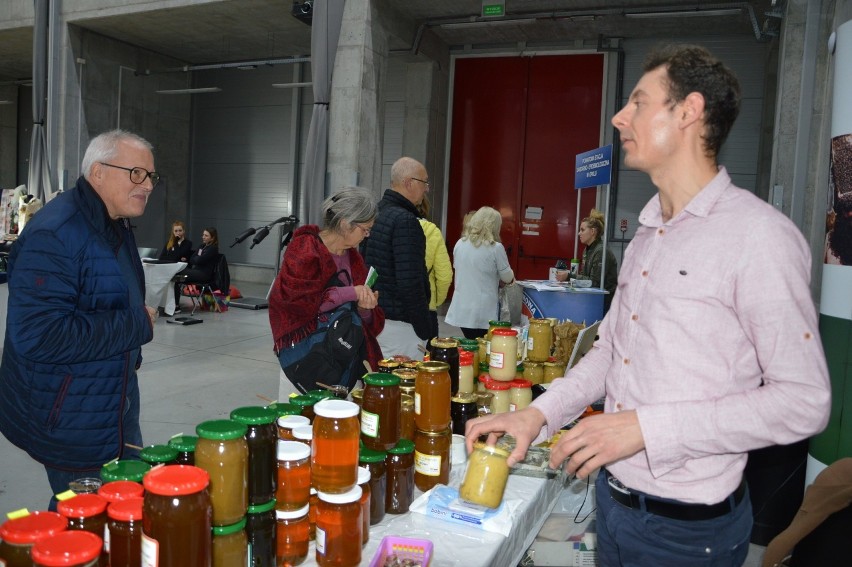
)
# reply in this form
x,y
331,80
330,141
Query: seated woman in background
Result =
x,y
201,262
320,272
481,267
178,248
591,229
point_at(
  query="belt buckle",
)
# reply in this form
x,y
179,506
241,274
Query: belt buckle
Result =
x,y
615,484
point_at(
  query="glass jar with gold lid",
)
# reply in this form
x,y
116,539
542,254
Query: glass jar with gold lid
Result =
x,y
432,396
486,476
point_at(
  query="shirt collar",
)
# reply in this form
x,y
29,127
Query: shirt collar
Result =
x,y
699,206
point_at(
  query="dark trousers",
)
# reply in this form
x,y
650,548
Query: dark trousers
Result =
x,y
473,333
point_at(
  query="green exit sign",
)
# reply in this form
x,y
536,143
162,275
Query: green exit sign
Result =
x,y
492,9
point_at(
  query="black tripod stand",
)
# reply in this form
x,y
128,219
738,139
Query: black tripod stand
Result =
x,y
287,225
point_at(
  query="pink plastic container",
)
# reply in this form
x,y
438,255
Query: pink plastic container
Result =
x,y
404,548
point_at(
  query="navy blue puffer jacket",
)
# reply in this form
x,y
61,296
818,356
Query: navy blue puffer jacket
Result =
x,y
73,326
397,250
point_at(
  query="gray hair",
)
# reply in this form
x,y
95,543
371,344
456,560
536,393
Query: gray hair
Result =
x,y
484,227
104,147
354,205
402,169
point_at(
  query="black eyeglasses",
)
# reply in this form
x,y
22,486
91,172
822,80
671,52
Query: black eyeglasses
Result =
x,y
138,175
426,183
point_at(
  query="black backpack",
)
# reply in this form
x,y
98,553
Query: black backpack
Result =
x,y
221,275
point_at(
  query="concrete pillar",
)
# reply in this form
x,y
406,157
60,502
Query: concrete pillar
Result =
x,y
8,136
355,129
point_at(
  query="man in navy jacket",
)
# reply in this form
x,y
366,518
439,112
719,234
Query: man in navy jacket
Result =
x,y
396,248
77,318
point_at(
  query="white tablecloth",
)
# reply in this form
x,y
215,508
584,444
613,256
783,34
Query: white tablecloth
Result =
x,y
158,289
460,546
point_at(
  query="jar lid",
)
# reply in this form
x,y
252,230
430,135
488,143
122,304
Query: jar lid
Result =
x,y
32,527
352,495
552,363
184,443
443,433
261,508
303,401
492,449
520,367
118,490
291,421
230,529
433,366
381,379
388,363
497,385
357,393
221,429
410,364
292,514
483,367
304,432
464,398
444,342
520,383
176,480
127,510
283,408
405,374
156,454
493,323
484,378
292,451
502,332
540,322
82,506
465,342
402,447
67,548
531,364
363,475
371,455
254,415
336,409
124,470
466,358
320,394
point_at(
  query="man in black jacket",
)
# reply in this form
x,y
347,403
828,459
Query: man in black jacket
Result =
x,y
397,250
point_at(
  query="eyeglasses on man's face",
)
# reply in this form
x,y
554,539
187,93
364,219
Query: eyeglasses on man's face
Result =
x,y
138,175
426,183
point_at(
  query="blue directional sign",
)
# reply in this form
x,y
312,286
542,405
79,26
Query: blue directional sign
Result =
x,y
593,168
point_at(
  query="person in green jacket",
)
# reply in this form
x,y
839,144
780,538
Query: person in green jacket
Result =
x,y
590,233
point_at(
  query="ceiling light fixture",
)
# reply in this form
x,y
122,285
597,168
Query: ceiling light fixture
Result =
x,y
190,91
684,13
490,23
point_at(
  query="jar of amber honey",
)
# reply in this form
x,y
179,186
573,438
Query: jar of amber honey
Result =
x,y
222,451
334,455
124,544
292,536
339,526
406,417
294,475
432,396
230,545
431,458
380,409
286,423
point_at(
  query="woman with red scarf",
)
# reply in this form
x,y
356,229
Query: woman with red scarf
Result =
x,y
322,270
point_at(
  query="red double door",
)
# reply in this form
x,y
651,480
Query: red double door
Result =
x,y
518,123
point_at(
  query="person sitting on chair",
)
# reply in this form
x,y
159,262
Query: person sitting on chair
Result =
x,y
178,248
201,263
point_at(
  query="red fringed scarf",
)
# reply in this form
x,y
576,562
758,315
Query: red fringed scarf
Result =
x,y
300,289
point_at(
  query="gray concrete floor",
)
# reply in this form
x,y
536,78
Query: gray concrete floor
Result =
x,y
189,374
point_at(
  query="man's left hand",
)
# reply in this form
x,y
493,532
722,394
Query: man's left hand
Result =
x,y
152,314
596,441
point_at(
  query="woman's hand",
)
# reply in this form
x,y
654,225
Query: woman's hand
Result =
x,y
367,298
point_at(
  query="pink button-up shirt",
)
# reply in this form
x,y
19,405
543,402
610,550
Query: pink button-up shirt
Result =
x,y
712,338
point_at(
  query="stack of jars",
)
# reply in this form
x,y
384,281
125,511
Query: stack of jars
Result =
x,y
432,434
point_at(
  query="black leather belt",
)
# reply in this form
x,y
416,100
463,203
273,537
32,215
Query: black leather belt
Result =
x,y
674,510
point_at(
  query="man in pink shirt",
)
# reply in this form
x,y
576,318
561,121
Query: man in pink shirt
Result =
x,y
711,347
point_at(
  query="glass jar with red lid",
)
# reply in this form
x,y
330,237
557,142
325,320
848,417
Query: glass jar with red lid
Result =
x,y
520,394
75,548
119,490
124,543
334,448
500,393
177,517
339,526
86,512
503,359
380,409
17,536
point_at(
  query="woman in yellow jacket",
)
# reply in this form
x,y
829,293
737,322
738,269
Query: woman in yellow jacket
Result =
x,y
438,264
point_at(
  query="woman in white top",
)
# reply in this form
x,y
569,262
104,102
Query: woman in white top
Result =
x,y
481,267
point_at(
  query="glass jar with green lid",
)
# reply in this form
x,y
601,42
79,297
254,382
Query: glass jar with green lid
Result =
x,y
399,471
380,408
230,545
185,445
285,408
159,455
320,394
222,451
374,461
124,470
261,436
260,532
306,403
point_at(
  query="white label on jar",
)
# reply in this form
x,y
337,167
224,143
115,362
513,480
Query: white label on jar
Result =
x,y
2,563
416,403
320,539
487,348
106,537
530,343
150,551
369,424
512,407
496,360
430,465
